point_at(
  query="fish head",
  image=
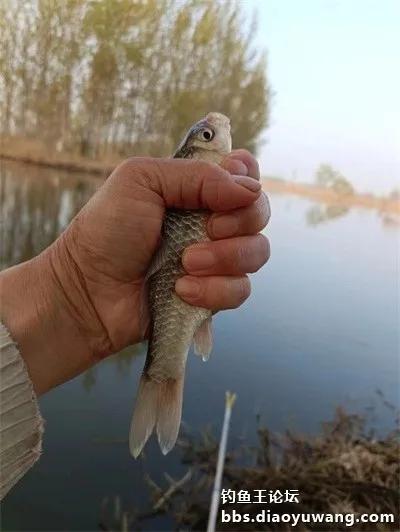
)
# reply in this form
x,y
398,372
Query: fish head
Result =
x,y
212,133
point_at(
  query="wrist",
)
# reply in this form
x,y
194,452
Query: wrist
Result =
x,y
38,306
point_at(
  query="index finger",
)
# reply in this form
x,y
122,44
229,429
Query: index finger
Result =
x,y
194,184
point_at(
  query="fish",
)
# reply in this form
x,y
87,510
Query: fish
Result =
x,y
175,324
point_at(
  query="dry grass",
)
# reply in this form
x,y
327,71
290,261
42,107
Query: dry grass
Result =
x,y
345,469
32,151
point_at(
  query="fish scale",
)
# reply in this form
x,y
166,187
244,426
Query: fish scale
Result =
x,y
175,321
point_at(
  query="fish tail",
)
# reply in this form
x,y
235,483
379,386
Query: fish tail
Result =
x,y
169,413
144,415
157,404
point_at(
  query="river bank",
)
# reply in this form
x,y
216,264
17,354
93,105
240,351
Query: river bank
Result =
x,y
330,197
71,164
271,185
344,471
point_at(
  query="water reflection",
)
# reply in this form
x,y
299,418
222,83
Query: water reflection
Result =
x,y
36,206
390,221
320,329
121,361
318,214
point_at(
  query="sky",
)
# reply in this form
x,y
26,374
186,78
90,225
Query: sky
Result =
x,y
334,68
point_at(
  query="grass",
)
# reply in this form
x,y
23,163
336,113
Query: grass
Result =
x,y
32,151
346,468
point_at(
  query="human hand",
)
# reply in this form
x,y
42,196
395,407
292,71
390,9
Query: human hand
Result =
x,y
90,282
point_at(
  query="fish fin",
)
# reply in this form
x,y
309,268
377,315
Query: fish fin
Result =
x,y
144,414
169,413
203,339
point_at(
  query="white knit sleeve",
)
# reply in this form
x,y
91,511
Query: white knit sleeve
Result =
x,y
21,425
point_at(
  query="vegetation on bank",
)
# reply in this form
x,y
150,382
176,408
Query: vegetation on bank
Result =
x,y
336,191
347,468
108,78
326,176
34,151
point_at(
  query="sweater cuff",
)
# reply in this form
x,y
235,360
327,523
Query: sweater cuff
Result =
x,y
21,425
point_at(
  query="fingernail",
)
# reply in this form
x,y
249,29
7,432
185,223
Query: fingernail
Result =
x,y
224,225
187,287
198,259
248,182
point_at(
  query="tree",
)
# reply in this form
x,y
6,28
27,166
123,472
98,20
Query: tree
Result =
x,y
328,177
128,76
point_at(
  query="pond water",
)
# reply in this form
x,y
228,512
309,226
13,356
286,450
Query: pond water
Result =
x,y
320,330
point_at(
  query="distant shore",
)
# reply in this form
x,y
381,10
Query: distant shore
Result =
x,y
71,165
330,197
270,185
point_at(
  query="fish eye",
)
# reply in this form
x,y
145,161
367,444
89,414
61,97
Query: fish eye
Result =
x,y
206,134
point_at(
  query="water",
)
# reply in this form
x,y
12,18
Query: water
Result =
x,y
321,329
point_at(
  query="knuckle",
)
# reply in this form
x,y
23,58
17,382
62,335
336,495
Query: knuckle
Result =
x,y
234,166
208,296
250,161
214,181
133,163
243,253
243,289
256,168
256,217
243,154
251,253
259,254
141,168
202,294
206,168
127,164
261,214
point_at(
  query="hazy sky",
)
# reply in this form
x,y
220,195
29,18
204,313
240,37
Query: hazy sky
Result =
x,y
334,66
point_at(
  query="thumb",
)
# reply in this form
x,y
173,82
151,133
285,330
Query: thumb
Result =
x,y
194,184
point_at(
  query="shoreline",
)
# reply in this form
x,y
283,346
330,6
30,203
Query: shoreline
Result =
x,y
77,165
330,197
270,185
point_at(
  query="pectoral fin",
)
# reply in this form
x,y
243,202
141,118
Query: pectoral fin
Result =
x,y
202,339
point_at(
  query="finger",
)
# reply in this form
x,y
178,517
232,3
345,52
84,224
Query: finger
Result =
x,y
248,159
214,293
190,184
245,221
234,256
234,166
